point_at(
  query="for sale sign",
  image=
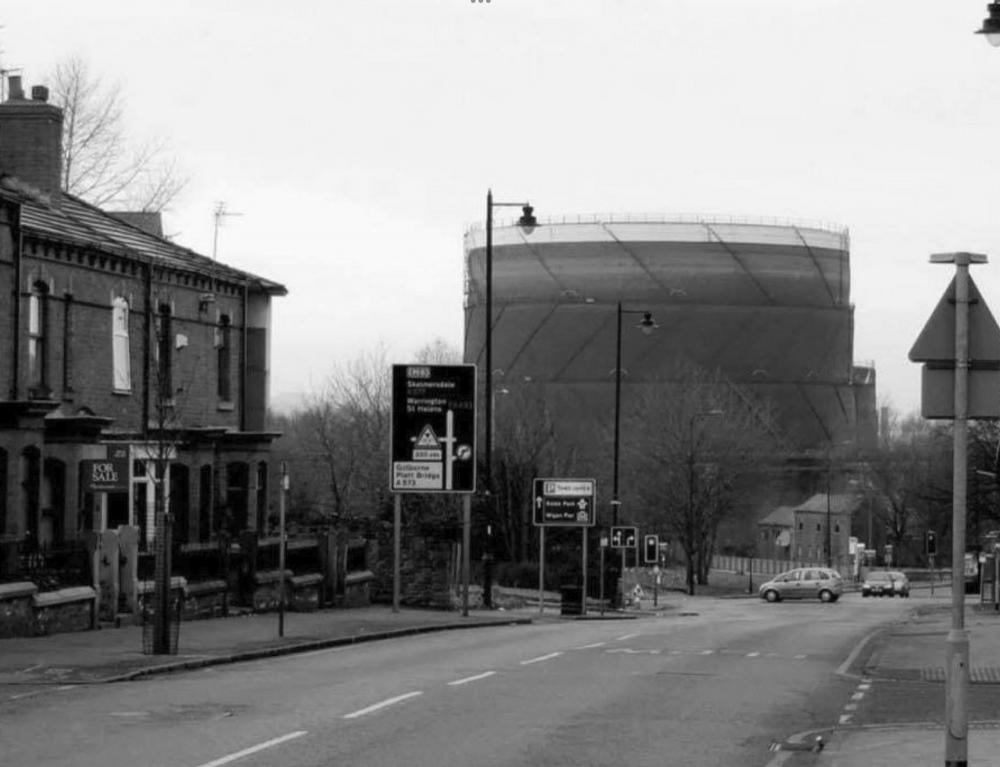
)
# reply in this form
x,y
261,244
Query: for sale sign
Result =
x,y
107,476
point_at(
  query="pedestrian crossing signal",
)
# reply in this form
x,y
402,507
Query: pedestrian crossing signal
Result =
x,y
651,549
931,543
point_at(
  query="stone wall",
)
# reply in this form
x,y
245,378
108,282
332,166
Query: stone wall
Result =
x,y
25,612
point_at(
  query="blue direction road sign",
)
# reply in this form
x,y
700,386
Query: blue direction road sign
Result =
x,y
565,502
433,429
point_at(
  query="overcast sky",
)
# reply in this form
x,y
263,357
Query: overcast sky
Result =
x,y
357,139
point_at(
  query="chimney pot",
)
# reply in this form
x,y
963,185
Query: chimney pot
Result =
x,y
39,93
16,91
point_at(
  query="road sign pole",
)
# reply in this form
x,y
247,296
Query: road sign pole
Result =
x,y
583,603
282,544
541,569
466,542
957,659
397,514
600,588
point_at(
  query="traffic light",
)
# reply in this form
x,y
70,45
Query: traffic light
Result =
x,y
651,549
931,543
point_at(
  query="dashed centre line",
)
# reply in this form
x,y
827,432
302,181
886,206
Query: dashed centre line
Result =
x,y
253,749
471,678
590,646
376,706
627,636
540,658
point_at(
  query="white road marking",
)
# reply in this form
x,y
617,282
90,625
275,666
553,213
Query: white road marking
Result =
x,y
25,695
540,658
382,704
66,687
851,707
253,749
753,654
845,718
472,678
708,652
800,657
590,646
627,636
864,686
857,696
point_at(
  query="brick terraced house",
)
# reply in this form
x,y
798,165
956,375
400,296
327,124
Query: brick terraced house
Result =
x,y
114,341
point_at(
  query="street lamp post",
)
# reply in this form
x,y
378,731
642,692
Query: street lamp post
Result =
x,y
829,533
690,508
647,325
527,222
991,25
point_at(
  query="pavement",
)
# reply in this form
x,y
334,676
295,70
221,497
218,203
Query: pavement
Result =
x,y
910,651
903,655
116,654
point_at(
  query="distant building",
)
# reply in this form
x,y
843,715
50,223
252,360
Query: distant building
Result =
x,y
799,533
115,340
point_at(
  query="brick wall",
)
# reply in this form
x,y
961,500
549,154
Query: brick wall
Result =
x,y
85,375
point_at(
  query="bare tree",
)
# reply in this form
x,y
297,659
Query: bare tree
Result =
x,y
99,163
691,448
439,352
349,425
525,449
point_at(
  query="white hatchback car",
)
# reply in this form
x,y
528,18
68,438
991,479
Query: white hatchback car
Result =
x,y
820,583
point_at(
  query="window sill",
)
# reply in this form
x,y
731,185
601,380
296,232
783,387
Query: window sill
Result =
x,y
121,392
227,406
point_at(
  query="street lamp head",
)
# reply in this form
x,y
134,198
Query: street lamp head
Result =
x,y
991,25
527,221
647,325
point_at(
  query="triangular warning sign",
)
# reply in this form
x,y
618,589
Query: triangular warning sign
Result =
x,y
936,342
427,438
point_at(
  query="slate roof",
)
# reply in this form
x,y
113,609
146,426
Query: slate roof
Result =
x,y
839,504
77,222
782,516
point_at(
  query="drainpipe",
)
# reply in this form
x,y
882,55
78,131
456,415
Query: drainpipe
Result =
x,y
146,355
243,357
15,304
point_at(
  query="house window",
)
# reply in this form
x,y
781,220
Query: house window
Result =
x,y
121,358
38,333
818,527
223,347
800,525
836,528
164,351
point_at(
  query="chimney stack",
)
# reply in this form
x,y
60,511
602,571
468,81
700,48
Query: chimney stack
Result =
x,y
31,138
